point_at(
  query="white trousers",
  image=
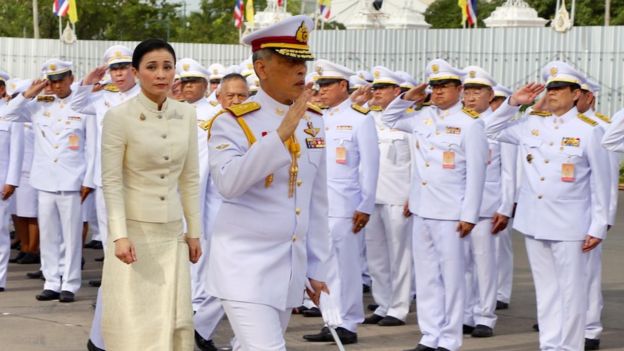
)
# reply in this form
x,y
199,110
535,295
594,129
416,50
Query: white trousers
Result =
x,y
388,237
559,273
60,226
345,276
504,260
439,268
102,217
5,239
593,324
481,277
257,327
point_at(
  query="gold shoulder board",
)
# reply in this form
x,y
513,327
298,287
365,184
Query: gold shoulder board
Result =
x,y
112,88
376,108
540,113
45,98
207,125
603,117
314,108
360,109
243,109
213,103
470,112
587,120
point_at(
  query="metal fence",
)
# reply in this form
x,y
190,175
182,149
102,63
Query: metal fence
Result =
x,y
512,55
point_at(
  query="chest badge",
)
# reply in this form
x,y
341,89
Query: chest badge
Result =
x,y
535,132
311,131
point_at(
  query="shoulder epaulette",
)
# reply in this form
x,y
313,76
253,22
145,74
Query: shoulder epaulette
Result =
x,y
419,107
587,120
213,103
603,117
243,109
314,108
470,112
410,110
207,124
376,108
361,109
540,113
112,88
45,98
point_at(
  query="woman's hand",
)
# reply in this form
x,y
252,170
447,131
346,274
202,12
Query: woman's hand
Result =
x,y
124,251
195,250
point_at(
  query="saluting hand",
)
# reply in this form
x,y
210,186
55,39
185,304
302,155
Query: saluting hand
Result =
x,y
7,191
464,228
590,243
125,251
360,219
416,93
294,114
362,95
35,88
195,250
95,76
526,95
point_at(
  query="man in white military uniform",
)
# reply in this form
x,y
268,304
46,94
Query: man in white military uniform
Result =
x,y
496,209
445,198
593,328
64,155
267,160
117,62
11,155
564,199
216,71
352,171
389,232
504,248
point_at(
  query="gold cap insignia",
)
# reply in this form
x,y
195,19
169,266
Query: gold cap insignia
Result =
x,y
472,74
319,70
302,33
553,71
185,66
376,74
117,54
52,67
215,71
249,65
435,68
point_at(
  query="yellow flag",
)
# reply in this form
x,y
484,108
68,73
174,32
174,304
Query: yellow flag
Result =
x,y
72,12
249,12
463,5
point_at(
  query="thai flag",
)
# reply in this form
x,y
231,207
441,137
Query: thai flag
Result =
x,y
471,9
60,7
238,14
325,8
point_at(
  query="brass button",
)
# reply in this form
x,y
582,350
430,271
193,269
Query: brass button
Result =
x,y
162,198
551,143
299,182
164,136
294,238
55,160
424,183
57,133
431,148
56,146
297,211
166,158
542,179
539,197
556,127
159,116
162,176
546,161
426,164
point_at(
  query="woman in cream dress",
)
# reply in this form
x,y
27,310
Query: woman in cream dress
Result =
x,y
150,184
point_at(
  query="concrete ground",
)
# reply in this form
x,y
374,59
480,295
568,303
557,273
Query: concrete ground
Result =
x,y
30,325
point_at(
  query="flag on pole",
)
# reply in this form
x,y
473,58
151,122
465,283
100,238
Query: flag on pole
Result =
x,y
249,12
60,7
280,3
73,11
238,14
469,11
325,8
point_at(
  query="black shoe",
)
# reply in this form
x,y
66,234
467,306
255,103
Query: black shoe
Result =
x,y
16,246
389,321
299,310
82,263
203,344
1,289
16,259
94,244
443,349
312,312
99,259
372,319
365,289
95,283
67,296
48,295
500,305
30,259
346,336
421,347
323,336
592,344
35,275
536,327
372,307
92,347
466,329
482,331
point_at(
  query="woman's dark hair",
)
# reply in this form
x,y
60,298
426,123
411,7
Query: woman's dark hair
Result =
x,y
147,46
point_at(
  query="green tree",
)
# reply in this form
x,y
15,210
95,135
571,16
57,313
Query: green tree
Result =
x,y
588,12
446,13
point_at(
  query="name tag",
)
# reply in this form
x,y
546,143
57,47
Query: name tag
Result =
x,y
74,118
344,127
315,143
571,141
453,130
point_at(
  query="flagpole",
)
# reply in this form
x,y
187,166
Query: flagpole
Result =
x,y
60,28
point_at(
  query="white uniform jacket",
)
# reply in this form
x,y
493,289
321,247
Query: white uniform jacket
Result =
x,y
564,193
450,161
11,152
65,142
352,179
265,243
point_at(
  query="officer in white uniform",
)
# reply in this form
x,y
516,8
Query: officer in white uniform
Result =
x,y
502,240
216,71
496,209
613,139
389,232
65,143
11,155
445,198
593,328
267,160
352,171
563,203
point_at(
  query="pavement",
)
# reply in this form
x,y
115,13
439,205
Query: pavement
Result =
x,y
30,325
